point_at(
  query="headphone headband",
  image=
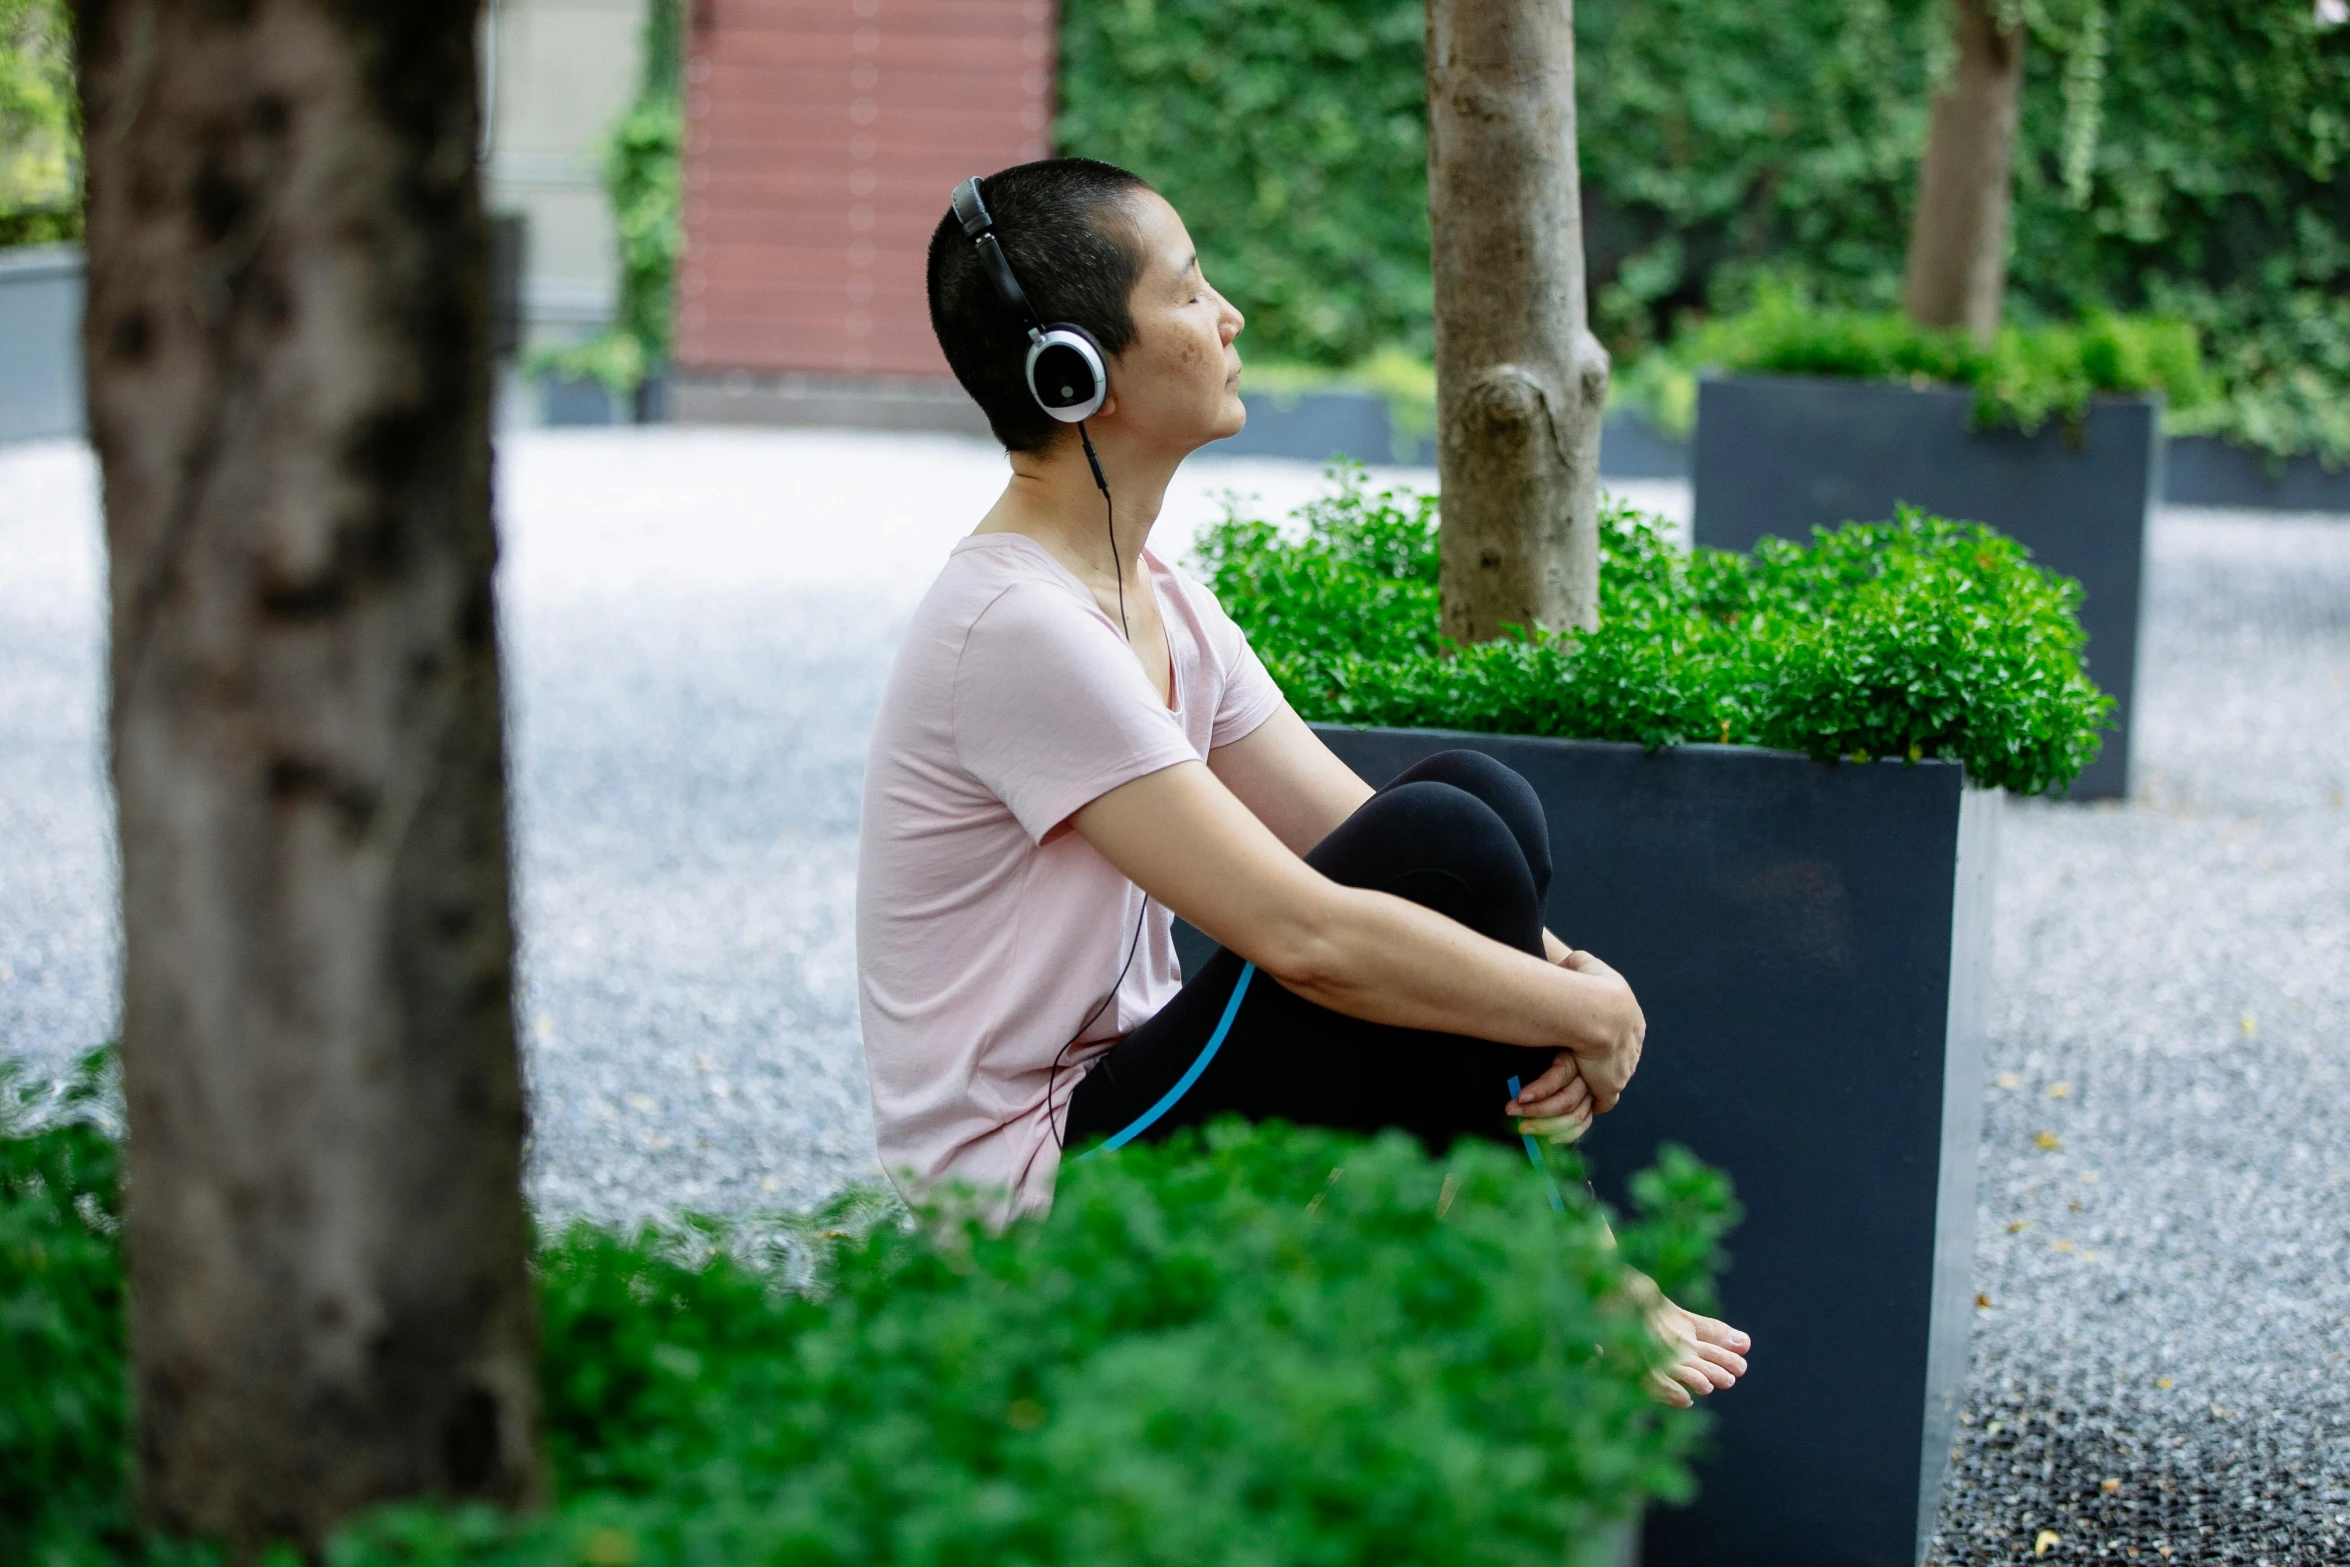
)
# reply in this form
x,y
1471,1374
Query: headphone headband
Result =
x,y
972,212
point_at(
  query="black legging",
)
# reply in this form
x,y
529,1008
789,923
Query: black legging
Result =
x,y
1460,834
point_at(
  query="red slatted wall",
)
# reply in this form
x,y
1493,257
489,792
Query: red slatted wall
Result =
x,y
822,140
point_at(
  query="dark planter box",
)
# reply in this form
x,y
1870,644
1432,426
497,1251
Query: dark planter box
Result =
x,y
40,342
1811,947
577,400
1632,448
1779,454
567,400
1315,426
1318,426
2204,471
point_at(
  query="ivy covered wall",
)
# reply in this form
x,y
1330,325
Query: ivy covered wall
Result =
x,y
2175,156
40,141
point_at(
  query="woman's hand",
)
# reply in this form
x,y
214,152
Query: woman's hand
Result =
x,y
1556,1105
1618,1029
1559,1104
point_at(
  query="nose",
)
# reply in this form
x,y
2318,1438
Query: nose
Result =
x,y
1232,321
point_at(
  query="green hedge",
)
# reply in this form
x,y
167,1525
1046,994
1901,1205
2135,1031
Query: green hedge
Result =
x,y
644,181
1730,142
1276,1346
2027,376
1917,638
40,142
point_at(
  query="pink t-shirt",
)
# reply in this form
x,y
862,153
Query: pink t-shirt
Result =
x,y
987,927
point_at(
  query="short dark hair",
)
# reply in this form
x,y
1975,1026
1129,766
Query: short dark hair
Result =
x,y
1076,257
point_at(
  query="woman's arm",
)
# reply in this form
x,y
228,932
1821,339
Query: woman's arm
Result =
x,y
1191,843
1289,779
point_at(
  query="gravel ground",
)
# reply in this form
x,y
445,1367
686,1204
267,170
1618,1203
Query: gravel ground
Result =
x,y
699,623
2164,1232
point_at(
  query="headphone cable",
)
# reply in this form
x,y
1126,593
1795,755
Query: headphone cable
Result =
x,y
1053,1073
1110,519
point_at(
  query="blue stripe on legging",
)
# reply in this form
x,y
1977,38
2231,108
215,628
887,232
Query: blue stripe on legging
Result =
x,y
1183,1084
1534,1154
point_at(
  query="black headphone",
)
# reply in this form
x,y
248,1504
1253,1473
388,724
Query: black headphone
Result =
x,y
1066,373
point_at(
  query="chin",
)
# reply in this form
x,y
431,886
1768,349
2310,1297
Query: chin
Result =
x,y
1233,418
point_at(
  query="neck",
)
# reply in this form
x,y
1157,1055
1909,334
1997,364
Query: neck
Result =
x,y
1053,499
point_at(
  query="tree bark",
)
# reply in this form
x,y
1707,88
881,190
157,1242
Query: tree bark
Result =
x,y
1520,380
1958,239
287,350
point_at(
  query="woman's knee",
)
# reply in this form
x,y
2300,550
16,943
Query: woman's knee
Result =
x,y
1502,788
1444,848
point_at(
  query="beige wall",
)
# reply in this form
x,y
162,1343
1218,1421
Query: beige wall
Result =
x,y
562,71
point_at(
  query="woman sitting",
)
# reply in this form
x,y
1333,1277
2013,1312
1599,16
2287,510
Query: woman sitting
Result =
x,y
1077,744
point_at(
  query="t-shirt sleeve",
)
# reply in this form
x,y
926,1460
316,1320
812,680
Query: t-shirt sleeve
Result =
x,y
1248,696
1051,712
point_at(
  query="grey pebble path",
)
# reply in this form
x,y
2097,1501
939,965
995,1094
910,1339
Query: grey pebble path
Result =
x,y
2164,1239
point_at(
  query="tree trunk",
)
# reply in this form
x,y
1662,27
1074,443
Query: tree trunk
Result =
x,y
1520,380
1958,240
289,390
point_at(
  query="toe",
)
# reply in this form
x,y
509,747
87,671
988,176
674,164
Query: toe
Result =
x,y
1729,1360
1712,1330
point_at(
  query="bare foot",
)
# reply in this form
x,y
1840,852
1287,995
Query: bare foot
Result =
x,y
1706,1355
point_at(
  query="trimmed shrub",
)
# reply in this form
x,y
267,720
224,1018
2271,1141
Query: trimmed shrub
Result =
x,y
2024,378
64,1393
1916,638
1261,1345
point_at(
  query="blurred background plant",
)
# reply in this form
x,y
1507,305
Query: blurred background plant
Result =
x,y
2028,374
2174,159
40,125
644,179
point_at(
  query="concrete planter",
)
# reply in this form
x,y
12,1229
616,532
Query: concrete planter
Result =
x,y
2204,471
41,342
1317,426
1811,947
1632,448
1779,454
583,400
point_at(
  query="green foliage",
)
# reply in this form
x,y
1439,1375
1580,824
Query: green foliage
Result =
x,y
64,1386
1288,1346
1917,638
643,179
40,125
1264,1345
2174,158
1292,136
2026,376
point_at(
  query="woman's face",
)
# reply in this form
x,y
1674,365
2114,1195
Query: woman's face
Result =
x,y
1178,382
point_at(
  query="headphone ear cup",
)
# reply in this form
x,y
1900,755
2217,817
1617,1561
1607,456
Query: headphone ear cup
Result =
x,y
1067,373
